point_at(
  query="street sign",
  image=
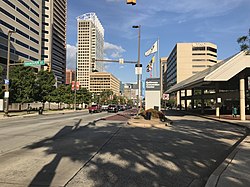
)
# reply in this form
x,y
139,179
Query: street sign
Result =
x,y
153,84
73,85
121,61
34,63
165,97
6,94
77,85
6,81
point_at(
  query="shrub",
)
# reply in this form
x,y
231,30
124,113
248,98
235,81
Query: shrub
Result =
x,y
154,113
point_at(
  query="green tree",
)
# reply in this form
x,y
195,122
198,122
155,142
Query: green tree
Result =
x,y
105,97
243,41
83,96
115,99
58,95
45,84
22,81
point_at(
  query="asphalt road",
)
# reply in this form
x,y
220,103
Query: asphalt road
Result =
x,y
80,150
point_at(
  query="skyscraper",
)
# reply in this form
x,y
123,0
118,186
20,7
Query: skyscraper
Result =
x,y
54,36
90,41
186,59
40,33
24,18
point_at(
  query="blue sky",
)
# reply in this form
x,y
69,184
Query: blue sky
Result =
x,y
218,21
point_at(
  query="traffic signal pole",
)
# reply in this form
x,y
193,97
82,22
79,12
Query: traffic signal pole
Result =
x,y
6,95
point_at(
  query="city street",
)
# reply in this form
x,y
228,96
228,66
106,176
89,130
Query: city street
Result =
x,y
81,149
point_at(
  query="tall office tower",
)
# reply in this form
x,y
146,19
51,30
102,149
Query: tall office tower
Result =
x,y
90,40
25,18
54,15
186,59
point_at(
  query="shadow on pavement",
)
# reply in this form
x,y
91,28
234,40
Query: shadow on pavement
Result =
x,y
112,155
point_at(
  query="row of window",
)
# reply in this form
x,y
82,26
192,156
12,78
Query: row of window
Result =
x,y
25,5
20,22
203,48
197,54
21,33
5,48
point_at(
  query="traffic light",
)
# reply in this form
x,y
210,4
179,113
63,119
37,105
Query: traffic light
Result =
x,y
121,61
132,2
3,87
48,67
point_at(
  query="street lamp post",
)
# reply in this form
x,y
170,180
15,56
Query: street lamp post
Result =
x,y
7,76
138,65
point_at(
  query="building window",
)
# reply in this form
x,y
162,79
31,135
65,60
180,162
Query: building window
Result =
x,y
22,54
22,13
22,44
34,40
9,3
198,48
24,4
33,49
35,31
198,66
35,3
212,49
7,25
22,33
34,12
22,23
31,19
7,13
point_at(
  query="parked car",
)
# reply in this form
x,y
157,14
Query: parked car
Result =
x,y
105,107
112,108
95,108
121,107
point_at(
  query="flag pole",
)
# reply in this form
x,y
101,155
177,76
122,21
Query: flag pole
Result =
x,y
158,47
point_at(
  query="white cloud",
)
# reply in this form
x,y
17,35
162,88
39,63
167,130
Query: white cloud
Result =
x,y
113,51
71,57
161,12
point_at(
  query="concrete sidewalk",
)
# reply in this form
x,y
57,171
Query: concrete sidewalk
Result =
x,y
34,113
235,169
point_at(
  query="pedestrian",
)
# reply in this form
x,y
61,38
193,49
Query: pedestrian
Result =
x,y
234,111
28,109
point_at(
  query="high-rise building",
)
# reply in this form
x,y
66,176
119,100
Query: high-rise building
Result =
x,y
186,59
40,33
90,44
54,15
103,81
25,19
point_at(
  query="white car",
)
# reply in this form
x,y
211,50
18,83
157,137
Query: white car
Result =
x,y
105,107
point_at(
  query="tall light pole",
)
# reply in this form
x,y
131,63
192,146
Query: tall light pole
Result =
x,y
6,95
138,66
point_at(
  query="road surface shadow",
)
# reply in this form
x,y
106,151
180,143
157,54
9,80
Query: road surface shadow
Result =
x,y
116,155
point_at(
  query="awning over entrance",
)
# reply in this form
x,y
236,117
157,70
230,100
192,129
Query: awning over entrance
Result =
x,y
222,71
229,74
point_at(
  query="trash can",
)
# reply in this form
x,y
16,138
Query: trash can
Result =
x,y
148,115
